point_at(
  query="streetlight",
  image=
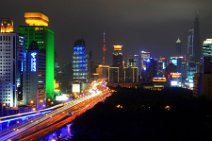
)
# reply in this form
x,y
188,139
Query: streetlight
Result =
x,y
31,102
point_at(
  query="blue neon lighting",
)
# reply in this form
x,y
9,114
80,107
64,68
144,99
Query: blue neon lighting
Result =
x,y
148,60
33,62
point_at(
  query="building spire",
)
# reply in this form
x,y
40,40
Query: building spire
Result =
x,y
178,41
104,49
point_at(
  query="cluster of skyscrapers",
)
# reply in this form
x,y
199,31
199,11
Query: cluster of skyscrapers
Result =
x,y
190,67
26,62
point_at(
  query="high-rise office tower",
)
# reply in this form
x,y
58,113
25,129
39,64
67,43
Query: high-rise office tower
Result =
x,y
150,71
21,68
194,51
207,64
12,55
145,55
203,80
34,84
161,67
37,30
190,45
117,56
207,48
178,47
191,65
80,62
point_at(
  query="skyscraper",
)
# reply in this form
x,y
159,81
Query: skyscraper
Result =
x,y
207,48
150,71
178,47
12,55
145,55
37,30
34,84
117,56
194,51
190,45
80,62
21,68
203,80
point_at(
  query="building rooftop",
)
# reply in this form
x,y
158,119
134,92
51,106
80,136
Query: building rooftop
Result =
x,y
6,25
117,47
36,19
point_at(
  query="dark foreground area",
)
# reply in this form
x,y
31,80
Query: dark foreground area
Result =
x,y
144,115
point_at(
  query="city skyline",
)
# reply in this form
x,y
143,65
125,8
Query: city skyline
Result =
x,y
144,63
137,25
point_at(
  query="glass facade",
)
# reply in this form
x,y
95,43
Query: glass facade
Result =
x,y
79,62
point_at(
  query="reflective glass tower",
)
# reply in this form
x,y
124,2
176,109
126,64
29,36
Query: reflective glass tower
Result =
x,y
37,30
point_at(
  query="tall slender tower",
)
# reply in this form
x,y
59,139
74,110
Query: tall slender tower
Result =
x,y
104,49
197,45
178,47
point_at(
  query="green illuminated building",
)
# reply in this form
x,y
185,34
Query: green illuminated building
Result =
x,y
38,30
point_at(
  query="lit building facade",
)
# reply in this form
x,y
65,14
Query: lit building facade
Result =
x,y
102,71
80,62
37,30
21,68
180,63
207,47
194,52
130,75
150,71
203,80
6,26
161,66
191,65
117,56
145,55
12,60
34,84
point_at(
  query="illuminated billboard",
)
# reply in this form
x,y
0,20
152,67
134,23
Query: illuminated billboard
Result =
x,y
61,97
33,62
176,75
159,79
174,83
76,88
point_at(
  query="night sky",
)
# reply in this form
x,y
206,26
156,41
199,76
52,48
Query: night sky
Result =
x,y
152,25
